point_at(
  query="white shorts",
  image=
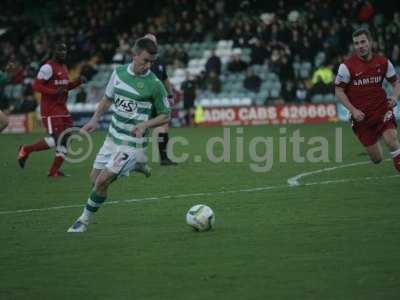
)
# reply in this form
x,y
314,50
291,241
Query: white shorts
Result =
x,y
119,159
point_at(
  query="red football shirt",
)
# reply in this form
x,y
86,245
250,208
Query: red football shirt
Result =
x,y
362,82
52,76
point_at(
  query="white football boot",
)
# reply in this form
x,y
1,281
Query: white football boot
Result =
x,y
78,226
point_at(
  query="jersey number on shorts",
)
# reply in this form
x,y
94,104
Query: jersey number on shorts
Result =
x,y
120,159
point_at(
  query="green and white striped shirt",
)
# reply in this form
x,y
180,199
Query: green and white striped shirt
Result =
x,y
135,98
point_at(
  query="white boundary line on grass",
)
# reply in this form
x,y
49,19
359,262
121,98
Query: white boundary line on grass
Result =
x,y
265,188
294,181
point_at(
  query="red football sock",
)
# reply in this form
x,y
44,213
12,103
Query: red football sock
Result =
x,y
38,146
57,162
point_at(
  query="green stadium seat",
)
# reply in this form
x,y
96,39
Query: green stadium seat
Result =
x,y
317,98
275,93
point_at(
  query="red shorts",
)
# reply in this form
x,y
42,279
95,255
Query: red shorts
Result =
x,y
57,124
371,130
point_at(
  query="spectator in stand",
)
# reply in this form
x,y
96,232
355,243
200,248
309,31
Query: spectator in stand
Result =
x,y
295,43
320,87
221,31
4,78
285,69
288,92
366,11
248,34
305,50
301,92
4,101
28,102
238,37
252,82
213,83
213,63
259,52
200,80
324,73
18,74
182,57
236,64
275,61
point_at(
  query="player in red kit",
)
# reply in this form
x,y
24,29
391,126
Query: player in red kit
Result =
x,y
358,86
53,83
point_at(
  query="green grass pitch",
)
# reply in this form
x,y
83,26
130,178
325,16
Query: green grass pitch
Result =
x,y
337,238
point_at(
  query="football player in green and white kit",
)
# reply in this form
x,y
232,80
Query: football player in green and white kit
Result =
x,y
132,91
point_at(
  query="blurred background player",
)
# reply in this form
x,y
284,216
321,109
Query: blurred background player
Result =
x,y
125,145
189,89
359,87
53,83
160,70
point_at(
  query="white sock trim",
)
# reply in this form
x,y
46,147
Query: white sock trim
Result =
x,y
395,153
50,141
86,214
92,203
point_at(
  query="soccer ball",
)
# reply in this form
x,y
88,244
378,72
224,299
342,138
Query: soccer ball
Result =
x,y
200,217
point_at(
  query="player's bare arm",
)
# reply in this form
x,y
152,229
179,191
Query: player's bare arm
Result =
x,y
357,114
161,119
102,107
39,85
74,84
395,93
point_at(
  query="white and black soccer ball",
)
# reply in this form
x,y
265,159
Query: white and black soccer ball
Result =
x,y
200,217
